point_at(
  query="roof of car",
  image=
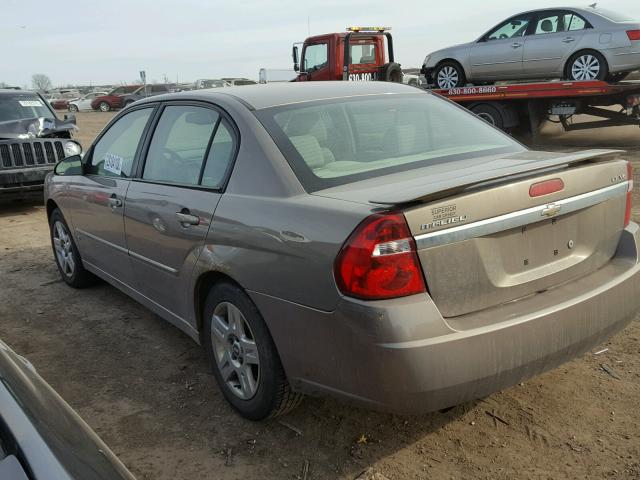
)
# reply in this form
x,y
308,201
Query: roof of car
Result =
x,y
262,96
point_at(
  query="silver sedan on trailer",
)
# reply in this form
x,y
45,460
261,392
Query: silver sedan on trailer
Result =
x,y
569,43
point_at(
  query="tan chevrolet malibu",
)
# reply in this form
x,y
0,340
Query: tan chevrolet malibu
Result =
x,y
369,241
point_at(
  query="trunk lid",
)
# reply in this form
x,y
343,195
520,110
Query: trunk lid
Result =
x,y
483,240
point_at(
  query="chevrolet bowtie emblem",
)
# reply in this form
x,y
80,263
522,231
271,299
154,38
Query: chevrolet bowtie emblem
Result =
x,y
551,210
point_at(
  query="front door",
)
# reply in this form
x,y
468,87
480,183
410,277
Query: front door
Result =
x,y
498,55
315,62
554,39
170,206
97,209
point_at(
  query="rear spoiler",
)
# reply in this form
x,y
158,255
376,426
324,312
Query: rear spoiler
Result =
x,y
482,175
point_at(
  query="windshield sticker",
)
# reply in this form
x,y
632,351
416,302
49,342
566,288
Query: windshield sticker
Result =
x,y
113,163
31,103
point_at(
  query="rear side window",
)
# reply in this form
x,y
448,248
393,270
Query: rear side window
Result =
x,y
114,153
549,24
363,54
191,145
336,142
573,22
179,144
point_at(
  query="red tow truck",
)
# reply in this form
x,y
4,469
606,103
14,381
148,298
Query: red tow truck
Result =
x,y
359,55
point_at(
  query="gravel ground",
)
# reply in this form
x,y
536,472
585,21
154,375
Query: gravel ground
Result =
x,y
146,388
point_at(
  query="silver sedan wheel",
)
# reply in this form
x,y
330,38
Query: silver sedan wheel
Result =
x,y
235,350
447,78
64,250
585,67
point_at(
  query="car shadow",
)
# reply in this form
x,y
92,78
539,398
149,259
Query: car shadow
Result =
x,y
21,206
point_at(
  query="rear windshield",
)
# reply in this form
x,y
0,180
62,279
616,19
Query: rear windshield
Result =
x,y
613,16
336,142
20,106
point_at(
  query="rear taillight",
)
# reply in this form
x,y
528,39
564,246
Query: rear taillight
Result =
x,y
379,260
633,35
627,212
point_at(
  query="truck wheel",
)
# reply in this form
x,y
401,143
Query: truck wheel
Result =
x,y
587,65
489,114
243,356
66,254
104,107
449,75
391,72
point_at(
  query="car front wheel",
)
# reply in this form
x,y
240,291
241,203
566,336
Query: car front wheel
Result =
x,y
66,254
449,75
243,357
588,65
104,107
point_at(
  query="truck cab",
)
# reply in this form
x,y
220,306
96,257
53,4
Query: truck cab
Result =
x,y
359,54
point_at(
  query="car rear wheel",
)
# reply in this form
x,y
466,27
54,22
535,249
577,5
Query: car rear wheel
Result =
x,y
449,75
243,357
73,108
588,65
104,107
66,254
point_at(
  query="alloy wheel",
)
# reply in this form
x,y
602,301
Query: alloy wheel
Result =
x,y
64,250
104,107
447,77
585,67
235,350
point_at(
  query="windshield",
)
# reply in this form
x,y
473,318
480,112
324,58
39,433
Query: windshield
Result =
x,y
341,141
20,106
613,16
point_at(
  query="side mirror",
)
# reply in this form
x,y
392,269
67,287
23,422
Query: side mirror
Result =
x,y
73,165
70,118
296,61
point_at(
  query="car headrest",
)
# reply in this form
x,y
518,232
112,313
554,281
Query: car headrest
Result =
x,y
547,26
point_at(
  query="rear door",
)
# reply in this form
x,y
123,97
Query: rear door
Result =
x,y
98,202
499,54
170,205
554,38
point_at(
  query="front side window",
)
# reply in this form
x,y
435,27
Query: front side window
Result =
x,y
332,143
179,145
549,24
363,54
513,28
315,57
114,153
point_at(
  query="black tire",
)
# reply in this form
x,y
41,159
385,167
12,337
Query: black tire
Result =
x,y
391,72
489,114
617,77
73,108
586,57
449,74
273,395
79,277
104,107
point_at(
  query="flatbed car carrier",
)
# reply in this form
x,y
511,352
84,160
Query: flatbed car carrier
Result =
x,y
525,106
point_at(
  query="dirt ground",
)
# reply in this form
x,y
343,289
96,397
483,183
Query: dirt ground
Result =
x,y
147,391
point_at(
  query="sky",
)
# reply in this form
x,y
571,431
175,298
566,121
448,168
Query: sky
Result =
x,y
110,41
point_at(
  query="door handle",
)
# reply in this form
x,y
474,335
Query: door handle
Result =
x,y
115,202
569,40
516,45
185,218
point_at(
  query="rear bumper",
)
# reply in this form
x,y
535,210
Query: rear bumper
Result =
x,y
402,356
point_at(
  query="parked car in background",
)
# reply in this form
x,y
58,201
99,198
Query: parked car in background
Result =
x,y
210,83
84,103
32,141
568,43
368,240
41,436
147,91
113,100
60,101
236,82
